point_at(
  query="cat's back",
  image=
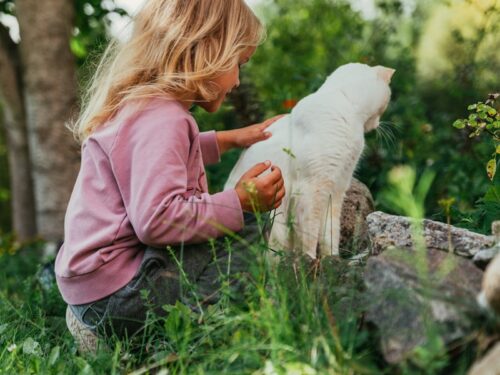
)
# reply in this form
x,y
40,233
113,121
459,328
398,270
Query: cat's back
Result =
x,y
324,122
273,149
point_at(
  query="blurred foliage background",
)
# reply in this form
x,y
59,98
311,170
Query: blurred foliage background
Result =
x,y
446,53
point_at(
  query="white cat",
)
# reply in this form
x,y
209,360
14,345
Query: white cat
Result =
x,y
317,148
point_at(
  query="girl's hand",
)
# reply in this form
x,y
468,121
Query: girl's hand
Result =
x,y
245,137
261,193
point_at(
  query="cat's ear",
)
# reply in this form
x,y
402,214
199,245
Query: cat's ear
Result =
x,y
385,73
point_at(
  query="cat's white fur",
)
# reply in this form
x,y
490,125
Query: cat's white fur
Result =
x,y
317,148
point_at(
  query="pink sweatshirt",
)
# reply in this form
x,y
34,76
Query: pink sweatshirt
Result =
x,y
142,182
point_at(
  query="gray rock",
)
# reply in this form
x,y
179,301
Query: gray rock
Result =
x,y
357,205
485,256
404,299
387,231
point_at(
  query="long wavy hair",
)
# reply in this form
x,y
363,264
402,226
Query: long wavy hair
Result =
x,y
177,47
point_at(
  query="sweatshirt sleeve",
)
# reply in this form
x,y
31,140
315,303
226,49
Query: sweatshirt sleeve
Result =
x,y
209,147
150,158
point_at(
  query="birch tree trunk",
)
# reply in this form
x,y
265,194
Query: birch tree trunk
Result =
x,y
21,186
49,73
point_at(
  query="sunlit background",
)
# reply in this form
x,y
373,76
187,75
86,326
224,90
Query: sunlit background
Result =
x,y
120,26
305,318
446,57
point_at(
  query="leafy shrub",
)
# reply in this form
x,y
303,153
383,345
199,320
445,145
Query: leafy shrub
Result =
x,y
484,121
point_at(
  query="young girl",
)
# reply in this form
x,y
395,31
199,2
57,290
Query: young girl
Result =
x,y
142,184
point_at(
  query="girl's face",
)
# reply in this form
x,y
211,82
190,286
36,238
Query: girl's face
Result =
x,y
227,81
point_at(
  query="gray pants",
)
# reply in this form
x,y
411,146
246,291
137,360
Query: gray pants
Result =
x,y
161,281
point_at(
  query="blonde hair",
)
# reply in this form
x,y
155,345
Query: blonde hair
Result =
x,y
176,48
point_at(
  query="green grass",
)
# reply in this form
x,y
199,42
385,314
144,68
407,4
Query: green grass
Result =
x,y
296,318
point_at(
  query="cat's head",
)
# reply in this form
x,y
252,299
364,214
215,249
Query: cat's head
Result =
x,y
366,88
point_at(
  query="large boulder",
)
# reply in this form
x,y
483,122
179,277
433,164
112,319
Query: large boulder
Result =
x,y
387,231
358,204
421,279
410,293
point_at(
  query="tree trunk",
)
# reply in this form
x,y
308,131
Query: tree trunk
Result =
x,y
21,186
50,100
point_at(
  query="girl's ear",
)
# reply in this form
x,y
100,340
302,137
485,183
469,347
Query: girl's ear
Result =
x,y
385,73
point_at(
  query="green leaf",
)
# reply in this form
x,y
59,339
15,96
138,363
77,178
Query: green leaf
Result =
x,y
54,355
472,107
498,149
424,185
78,48
84,366
491,169
493,194
459,124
